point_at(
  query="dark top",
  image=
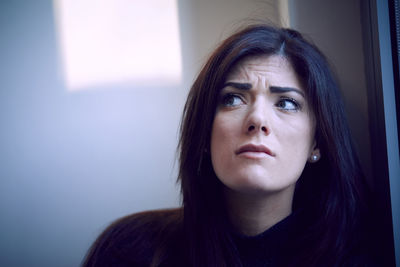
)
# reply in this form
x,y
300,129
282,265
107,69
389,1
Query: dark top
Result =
x,y
156,239
270,247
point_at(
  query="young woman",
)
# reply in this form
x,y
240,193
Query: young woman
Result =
x,y
268,172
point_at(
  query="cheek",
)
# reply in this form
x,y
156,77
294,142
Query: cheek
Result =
x,y
294,145
297,136
226,128
222,140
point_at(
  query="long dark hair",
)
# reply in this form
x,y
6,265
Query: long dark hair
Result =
x,y
328,191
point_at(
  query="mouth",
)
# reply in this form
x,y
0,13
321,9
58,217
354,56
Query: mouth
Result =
x,y
255,151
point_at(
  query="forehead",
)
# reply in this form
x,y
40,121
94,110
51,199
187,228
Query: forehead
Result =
x,y
274,68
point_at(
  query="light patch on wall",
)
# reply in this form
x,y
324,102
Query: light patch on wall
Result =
x,y
112,41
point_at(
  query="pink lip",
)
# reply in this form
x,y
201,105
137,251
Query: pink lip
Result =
x,y
251,148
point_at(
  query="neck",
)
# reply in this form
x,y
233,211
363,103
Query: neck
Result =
x,y
252,214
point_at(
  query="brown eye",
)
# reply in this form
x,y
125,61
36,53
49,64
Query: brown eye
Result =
x,y
288,104
231,100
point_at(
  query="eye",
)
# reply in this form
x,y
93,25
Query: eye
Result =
x,y
231,100
288,104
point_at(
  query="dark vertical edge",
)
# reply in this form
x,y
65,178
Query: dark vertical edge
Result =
x,y
394,14
381,216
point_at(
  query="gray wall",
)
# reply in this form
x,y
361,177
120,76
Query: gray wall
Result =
x,y
73,162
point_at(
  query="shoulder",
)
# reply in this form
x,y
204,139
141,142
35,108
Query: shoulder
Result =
x,y
135,240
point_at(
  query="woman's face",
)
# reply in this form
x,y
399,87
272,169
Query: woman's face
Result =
x,y
263,130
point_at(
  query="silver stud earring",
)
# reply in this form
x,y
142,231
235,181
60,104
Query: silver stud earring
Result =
x,y
314,158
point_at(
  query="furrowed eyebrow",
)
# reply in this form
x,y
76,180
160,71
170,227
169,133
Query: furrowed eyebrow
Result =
x,y
277,89
240,86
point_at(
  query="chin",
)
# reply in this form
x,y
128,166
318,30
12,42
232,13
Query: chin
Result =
x,y
256,185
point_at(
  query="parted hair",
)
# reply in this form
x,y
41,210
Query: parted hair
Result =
x,y
329,191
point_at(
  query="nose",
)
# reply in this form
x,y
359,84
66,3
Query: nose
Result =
x,y
257,120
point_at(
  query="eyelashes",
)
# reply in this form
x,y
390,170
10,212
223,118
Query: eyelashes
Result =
x,y
288,104
231,100
284,103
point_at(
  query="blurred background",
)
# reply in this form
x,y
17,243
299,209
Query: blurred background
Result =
x,y
91,95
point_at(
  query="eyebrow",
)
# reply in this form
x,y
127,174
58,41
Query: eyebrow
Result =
x,y
278,89
273,89
240,86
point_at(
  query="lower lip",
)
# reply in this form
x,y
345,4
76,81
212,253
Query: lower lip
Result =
x,y
254,155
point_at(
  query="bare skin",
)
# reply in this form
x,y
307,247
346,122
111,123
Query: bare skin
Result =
x,y
262,137
252,215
